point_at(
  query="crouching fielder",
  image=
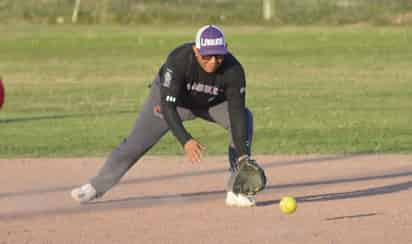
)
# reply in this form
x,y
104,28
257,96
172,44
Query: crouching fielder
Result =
x,y
198,80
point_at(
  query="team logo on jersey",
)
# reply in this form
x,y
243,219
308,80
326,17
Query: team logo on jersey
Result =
x,y
199,87
167,78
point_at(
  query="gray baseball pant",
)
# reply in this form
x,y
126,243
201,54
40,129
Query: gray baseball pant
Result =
x,y
147,131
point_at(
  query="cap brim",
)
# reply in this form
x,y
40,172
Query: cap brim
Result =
x,y
213,51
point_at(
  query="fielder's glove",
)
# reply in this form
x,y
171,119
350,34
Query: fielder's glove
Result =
x,y
249,178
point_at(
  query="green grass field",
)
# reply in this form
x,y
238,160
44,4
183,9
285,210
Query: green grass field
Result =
x,y
76,90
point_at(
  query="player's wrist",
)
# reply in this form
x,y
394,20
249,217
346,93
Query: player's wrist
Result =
x,y
186,140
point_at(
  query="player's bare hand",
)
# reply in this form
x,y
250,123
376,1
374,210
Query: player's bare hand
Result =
x,y
193,150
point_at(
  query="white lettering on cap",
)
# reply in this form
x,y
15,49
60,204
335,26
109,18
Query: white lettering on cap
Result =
x,y
204,42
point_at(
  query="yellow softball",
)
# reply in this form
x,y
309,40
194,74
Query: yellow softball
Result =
x,y
288,205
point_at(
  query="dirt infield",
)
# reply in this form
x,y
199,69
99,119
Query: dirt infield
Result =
x,y
341,199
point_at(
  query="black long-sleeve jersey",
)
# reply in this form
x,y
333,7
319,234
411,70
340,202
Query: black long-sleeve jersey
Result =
x,y
185,84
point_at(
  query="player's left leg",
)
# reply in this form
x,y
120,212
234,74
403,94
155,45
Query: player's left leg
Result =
x,y
147,131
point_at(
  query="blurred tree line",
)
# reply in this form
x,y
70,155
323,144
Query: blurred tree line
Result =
x,y
283,12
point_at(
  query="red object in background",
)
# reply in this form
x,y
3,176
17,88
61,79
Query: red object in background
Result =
x,y
2,93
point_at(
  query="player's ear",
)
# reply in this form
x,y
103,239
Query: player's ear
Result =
x,y
195,50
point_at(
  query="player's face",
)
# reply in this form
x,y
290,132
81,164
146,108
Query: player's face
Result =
x,y
209,63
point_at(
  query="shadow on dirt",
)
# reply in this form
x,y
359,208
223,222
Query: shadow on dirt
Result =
x,y
144,180
348,194
193,197
211,195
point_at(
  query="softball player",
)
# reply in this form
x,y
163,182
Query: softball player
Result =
x,y
198,80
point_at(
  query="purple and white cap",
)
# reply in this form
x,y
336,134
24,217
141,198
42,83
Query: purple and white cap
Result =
x,y
211,41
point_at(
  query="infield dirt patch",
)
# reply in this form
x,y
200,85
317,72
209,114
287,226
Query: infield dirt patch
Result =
x,y
341,199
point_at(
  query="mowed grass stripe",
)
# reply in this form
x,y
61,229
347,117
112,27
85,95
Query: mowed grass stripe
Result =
x,y
76,91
